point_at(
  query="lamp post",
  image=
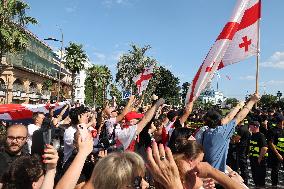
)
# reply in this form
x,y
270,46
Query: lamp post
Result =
x,y
61,57
279,94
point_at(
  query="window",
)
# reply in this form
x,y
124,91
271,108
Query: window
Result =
x,y
78,82
78,92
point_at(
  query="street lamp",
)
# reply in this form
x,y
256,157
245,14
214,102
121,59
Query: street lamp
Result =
x,y
61,57
279,94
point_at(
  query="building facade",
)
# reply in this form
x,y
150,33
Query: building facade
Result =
x,y
31,76
80,84
212,96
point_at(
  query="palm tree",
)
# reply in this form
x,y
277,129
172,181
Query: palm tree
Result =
x,y
101,78
13,19
74,61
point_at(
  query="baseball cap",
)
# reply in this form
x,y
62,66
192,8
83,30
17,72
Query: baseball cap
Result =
x,y
133,115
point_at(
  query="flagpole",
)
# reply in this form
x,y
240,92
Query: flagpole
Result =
x,y
258,54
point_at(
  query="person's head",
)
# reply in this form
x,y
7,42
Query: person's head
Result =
x,y
25,172
120,170
133,118
172,115
180,134
114,113
187,154
16,138
212,119
79,115
38,118
254,126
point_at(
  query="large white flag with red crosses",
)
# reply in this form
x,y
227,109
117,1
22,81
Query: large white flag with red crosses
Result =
x,y
237,41
142,79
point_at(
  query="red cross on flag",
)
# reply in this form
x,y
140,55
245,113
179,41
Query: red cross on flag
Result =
x,y
142,79
237,41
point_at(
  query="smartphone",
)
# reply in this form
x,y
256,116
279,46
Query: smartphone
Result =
x,y
83,131
46,131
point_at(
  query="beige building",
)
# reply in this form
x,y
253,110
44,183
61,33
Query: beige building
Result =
x,y
31,76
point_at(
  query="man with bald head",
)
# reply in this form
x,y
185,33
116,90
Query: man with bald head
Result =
x,y
16,138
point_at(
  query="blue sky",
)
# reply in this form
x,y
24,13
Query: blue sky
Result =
x,y
180,33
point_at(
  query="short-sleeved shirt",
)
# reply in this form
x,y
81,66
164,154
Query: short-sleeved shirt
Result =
x,y
257,140
68,142
276,136
215,142
126,136
31,129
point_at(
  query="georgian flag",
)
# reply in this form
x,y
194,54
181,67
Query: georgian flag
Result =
x,y
24,112
237,41
142,79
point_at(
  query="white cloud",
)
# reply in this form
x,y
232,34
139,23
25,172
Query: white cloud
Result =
x,y
70,9
275,61
248,77
274,82
110,3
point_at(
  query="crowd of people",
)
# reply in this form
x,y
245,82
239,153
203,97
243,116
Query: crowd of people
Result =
x,y
157,146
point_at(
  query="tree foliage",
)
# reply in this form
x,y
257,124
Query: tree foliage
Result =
x,y
74,61
13,19
98,77
168,86
268,101
114,92
131,64
184,89
232,101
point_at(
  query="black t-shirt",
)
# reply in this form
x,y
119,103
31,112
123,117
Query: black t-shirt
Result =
x,y
244,133
260,139
6,160
273,135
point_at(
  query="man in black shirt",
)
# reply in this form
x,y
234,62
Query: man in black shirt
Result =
x,y
257,154
242,149
15,141
276,150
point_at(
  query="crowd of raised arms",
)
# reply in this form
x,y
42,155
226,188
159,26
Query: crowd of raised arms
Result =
x,y
156,146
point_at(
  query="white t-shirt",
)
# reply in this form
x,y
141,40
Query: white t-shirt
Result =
x,y
126,135
31,129
110,125
68,142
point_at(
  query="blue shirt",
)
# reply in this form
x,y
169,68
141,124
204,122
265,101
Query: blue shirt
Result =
x,y
215,142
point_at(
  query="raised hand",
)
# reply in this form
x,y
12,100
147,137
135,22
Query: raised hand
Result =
x,y
50,157
163,167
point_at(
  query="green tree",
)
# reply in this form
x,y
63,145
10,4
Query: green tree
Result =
x,y
184,89
232,101
99,77
74,61
114,92
168,86
131,64
268,101
13,19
